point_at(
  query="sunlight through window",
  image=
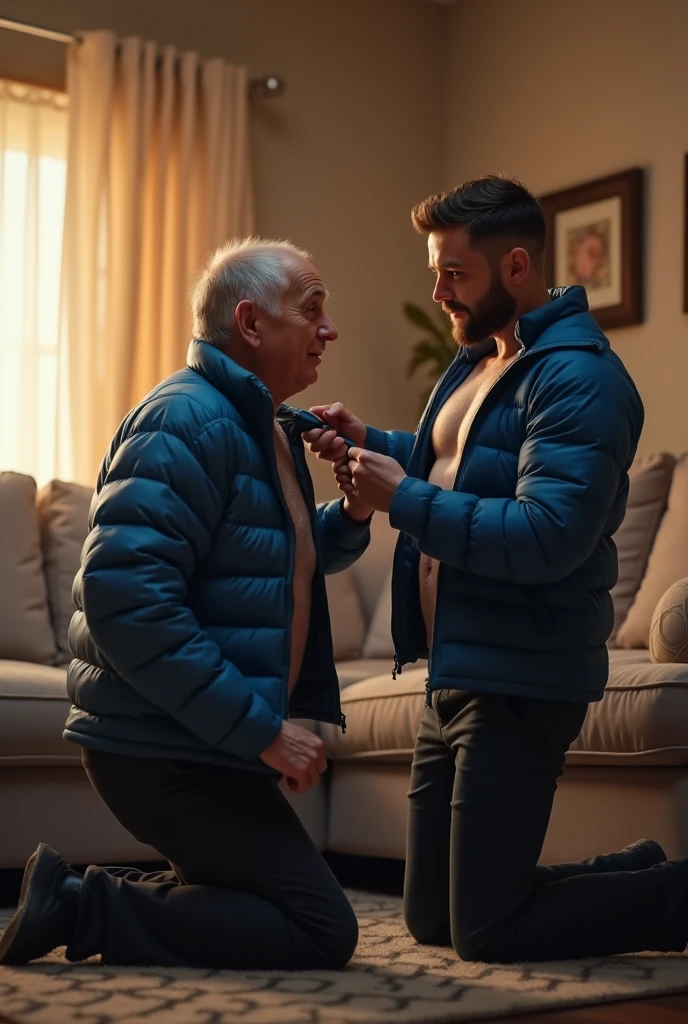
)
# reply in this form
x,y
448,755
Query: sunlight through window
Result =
x,y
33,164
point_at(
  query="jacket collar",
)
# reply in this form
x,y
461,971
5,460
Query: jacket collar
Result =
x,y
563,310
567,310
242,388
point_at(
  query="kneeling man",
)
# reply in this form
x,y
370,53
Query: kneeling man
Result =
x,y
201,628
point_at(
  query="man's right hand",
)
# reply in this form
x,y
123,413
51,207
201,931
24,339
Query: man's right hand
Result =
x,y
329,444
298,755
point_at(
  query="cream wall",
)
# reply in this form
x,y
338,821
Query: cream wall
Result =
x,y
339,159
557,93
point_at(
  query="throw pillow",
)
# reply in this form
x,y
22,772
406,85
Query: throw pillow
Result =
x,y
346,616
378,643
668,562
25,630
650,480
669,630
63,513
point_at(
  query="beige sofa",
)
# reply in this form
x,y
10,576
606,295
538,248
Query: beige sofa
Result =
x,y
627,774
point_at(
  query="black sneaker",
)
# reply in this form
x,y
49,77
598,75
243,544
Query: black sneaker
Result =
x,y
47,909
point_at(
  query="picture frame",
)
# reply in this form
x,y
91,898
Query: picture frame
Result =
x,y
595,238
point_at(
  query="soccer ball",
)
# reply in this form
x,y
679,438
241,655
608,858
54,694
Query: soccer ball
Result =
x,y
669,630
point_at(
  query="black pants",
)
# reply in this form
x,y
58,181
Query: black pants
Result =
x,y
484,775
247,887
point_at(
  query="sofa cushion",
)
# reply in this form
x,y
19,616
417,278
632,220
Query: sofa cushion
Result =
x,y
383,715
650,480
668,562
25,629
346,615
669,630
363,668
378,642
63,515
642,718
640,721
33,710
372,568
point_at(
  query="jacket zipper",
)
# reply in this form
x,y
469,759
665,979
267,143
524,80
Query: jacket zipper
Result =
x,y
292,554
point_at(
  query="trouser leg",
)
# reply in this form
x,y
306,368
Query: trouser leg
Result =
x,y
248,887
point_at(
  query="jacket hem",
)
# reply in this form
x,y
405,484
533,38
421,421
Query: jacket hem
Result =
x,y
543,691
133,749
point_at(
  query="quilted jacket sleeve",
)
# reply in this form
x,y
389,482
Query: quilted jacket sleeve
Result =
x,y
397,444
584,420
153,522
343,539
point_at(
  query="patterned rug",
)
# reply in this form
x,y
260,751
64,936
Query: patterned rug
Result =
x,y
390,981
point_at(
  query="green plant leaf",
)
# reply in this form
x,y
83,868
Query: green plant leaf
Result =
x,y
420,318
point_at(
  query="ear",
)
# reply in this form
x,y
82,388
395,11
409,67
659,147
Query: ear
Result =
x,y
245,315
517,265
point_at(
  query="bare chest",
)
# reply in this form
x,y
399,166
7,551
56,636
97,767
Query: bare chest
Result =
x,y
293,495
454,420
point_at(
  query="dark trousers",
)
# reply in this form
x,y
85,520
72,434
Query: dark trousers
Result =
x,y
484,775
247,887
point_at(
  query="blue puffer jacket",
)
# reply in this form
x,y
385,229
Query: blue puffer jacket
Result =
x,y
184,597
525,536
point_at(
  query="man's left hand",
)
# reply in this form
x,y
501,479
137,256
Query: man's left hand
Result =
x,y
375,478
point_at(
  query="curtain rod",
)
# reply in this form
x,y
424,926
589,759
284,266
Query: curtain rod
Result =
x,y
258,88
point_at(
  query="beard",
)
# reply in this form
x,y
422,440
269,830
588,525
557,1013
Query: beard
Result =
x,y
489,315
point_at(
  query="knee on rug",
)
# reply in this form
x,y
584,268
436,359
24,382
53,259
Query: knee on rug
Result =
x,y
427,932
338,945
472,949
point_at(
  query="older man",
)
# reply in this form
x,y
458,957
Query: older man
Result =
x,y
201,626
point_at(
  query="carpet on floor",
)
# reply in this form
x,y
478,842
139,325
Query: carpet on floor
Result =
x,y
390,981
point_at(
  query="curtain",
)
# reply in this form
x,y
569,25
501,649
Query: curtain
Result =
x,y
158,176
33,144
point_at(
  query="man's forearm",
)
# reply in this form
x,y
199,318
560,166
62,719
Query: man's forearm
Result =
x,y
357,510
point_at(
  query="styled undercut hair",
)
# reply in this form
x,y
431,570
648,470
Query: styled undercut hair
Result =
x,y
246,268
490,207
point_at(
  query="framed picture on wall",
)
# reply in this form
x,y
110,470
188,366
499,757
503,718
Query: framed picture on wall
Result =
x,y
595,239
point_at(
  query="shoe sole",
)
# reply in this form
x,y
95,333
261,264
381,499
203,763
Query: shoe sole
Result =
x,y
11,940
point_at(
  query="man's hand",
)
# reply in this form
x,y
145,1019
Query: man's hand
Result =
x,y
374,478
326,444
298,755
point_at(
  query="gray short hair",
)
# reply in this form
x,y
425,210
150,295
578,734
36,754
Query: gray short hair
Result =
x,y
246,268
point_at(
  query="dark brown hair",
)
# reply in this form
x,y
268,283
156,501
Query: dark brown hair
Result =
x,y
487,208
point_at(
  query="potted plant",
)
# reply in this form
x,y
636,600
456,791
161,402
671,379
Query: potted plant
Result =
x,y
435,350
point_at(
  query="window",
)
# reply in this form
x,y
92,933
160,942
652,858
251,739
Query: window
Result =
x,y
33,164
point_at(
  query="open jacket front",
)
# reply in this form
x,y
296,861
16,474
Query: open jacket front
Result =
x,y
181,636
525,536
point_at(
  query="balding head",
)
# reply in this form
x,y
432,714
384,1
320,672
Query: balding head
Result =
x,y
255,269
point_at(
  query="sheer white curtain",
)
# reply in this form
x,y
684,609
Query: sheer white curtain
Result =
x,y
158,176
33,153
